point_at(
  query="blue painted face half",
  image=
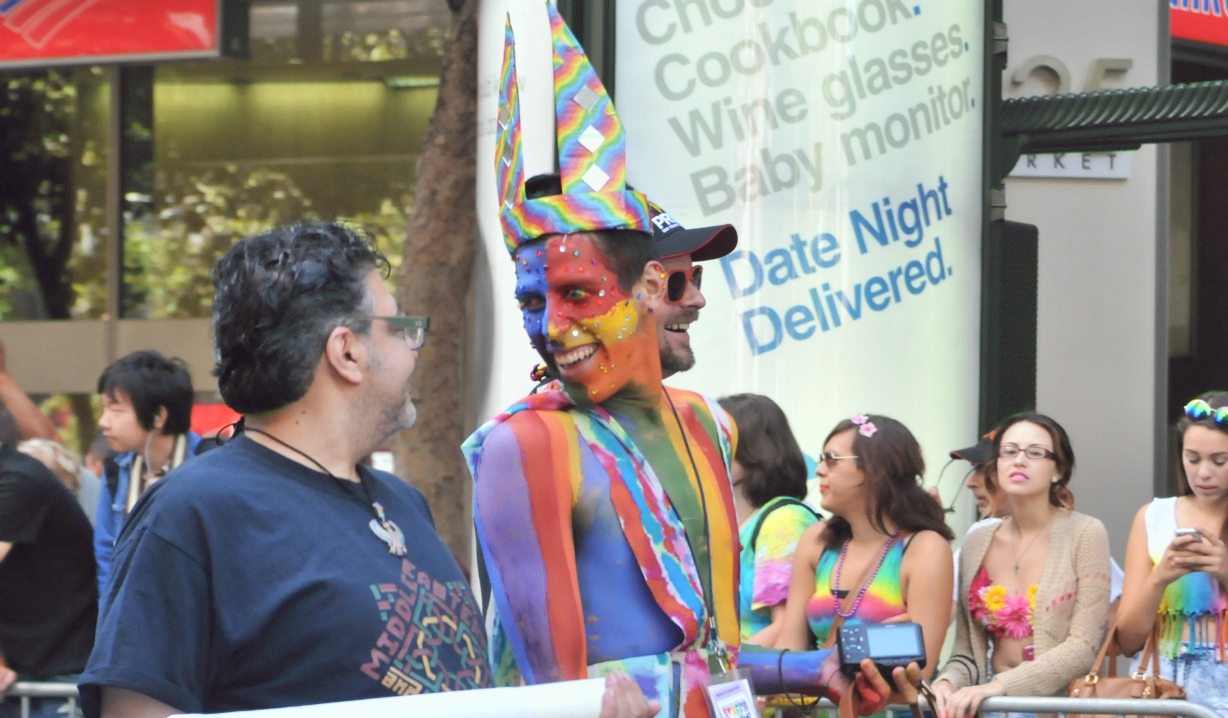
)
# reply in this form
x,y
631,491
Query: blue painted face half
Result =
x,y
531,292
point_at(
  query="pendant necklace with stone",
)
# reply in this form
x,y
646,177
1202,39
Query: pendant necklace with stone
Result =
x,y
383,527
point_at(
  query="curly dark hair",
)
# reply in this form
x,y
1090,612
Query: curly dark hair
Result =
x,y
894,466
1060,494
277,297
772,462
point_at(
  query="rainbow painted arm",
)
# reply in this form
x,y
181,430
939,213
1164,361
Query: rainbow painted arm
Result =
x,y
811,673
527,555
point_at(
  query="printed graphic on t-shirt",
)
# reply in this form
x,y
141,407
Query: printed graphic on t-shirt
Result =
x,y
433,639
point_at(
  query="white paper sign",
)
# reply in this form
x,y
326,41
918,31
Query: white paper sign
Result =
x,y
568,699
843,140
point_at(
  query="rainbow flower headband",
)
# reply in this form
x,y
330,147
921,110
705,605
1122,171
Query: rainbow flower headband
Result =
x,y
591,145
1199,409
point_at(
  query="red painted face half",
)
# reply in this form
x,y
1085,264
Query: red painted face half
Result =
x,y
598,334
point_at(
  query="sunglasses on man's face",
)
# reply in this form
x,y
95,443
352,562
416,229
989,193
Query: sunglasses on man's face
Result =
x,y
675,285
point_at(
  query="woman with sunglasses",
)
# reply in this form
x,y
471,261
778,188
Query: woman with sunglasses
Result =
x,y
1177,564
884,554
1016,634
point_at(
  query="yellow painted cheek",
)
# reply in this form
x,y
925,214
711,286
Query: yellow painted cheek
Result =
x,y
615,325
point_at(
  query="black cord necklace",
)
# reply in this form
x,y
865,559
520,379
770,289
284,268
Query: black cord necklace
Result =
x,y
715,644
382,526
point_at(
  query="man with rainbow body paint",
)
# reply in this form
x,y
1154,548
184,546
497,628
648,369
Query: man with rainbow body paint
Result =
x,y
603,504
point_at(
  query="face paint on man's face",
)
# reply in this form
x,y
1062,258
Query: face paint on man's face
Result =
x,y
531,290
595,331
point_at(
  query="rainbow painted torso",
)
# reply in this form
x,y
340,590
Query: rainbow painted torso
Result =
x,y
598,509
883,599
1195,600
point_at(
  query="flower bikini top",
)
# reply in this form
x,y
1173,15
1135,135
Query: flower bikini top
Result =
x,y
1003,614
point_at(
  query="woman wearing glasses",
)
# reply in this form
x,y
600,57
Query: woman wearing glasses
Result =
x,y
884,554
1033,589
1177,565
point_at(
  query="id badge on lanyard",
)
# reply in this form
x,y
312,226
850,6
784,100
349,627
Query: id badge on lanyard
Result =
x,y
730,696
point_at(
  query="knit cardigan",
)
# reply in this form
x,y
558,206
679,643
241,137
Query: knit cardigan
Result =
x,y
1069,619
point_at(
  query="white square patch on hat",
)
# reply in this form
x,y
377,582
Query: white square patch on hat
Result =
x,y
592,139
596,178
586,98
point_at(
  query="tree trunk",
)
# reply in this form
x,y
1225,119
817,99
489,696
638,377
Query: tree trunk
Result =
x,y
434,280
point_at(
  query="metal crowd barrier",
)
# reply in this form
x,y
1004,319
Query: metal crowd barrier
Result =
x,y
1093,706
1003,704
25,690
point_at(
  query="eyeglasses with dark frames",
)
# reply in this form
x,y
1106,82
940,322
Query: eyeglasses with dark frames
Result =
x,y
1033,452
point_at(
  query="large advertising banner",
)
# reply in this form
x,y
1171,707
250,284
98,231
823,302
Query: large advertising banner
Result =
x,y
843,140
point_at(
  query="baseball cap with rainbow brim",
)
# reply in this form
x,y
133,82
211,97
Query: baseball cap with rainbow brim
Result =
x,y
670,239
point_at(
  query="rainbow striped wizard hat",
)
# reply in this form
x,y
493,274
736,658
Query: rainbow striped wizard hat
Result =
x,y
592,151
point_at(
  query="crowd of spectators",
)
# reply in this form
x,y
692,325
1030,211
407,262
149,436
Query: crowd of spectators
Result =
x,y
1032,592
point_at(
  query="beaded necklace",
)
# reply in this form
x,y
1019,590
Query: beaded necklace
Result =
x,y
862,593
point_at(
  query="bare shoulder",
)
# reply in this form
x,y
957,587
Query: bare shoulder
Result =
x,y
520,435
928,545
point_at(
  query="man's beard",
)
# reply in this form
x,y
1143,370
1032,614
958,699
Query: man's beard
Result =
x,y
396,410
673,362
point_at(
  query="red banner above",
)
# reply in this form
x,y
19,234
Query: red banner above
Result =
x,y
50,32
1199,20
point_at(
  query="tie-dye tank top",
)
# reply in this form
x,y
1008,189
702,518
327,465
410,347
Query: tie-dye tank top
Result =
x,y
767,560
1188,600
883,599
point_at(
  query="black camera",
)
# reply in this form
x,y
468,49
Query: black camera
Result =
x,y
887,644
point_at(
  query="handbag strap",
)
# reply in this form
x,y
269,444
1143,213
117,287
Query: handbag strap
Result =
x,y
1110,641
834,631
1151,653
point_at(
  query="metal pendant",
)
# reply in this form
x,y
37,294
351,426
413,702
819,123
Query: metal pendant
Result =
x,y
389,533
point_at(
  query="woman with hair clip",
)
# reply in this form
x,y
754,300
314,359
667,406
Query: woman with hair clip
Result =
x,y
1177,564
769,482
1033,589
885,552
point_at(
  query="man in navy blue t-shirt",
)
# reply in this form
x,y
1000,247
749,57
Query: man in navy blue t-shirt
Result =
x,y
277,571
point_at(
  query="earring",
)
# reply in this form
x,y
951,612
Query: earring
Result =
x,y
1056,479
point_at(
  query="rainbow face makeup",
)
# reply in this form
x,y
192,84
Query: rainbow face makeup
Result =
x,y
531,291
577,316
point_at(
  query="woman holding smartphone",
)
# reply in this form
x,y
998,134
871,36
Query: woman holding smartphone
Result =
x,y
1177,564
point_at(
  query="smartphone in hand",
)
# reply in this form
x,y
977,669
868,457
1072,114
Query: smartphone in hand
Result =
x,y
1193,533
